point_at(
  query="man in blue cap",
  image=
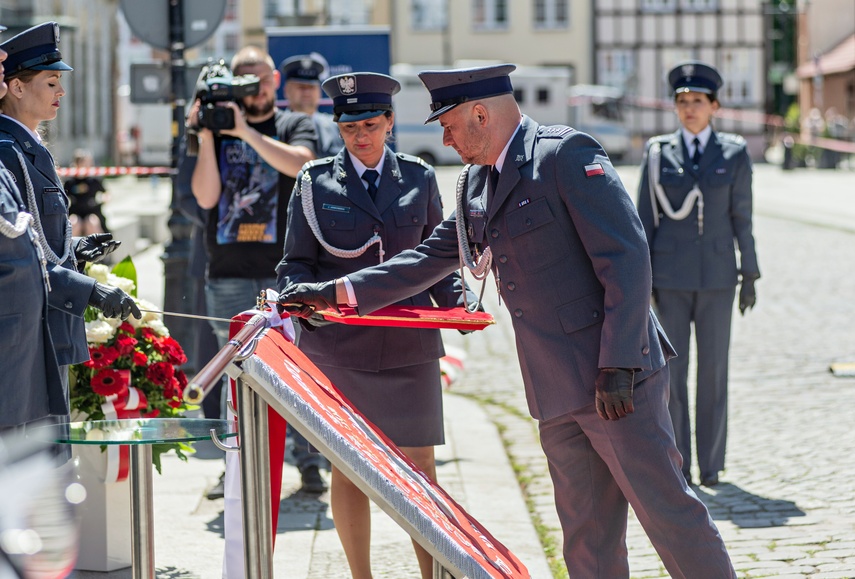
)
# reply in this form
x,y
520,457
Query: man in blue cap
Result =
x,y
695,202
303,75
568,252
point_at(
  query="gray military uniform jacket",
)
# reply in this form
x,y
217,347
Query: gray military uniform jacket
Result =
x,y
30,386
70,290
683,258
571,260
406,210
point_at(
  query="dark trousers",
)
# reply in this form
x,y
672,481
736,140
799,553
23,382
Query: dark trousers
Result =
x,y
599,467
710,312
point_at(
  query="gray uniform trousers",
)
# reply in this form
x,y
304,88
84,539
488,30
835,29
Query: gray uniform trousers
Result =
x,y
710,311
597,479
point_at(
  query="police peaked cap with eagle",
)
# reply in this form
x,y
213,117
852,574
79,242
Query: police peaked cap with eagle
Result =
x,y
694,76
360,95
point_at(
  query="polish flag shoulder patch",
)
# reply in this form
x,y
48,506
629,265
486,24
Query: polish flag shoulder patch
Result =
x,y
594,170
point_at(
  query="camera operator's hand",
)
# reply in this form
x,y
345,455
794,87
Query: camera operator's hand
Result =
x,y
241,130
192,120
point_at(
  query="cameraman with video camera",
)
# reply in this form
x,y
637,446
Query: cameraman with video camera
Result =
x,y
249,153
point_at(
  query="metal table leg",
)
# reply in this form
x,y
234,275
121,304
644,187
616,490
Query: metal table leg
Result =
x,y
142,512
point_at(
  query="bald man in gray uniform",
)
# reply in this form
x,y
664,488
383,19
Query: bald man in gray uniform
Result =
x,y
572,264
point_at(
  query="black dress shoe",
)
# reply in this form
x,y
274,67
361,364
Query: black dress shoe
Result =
x,y
709,480
313,482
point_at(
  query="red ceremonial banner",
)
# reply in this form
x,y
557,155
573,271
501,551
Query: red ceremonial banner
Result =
x,y
295,387
413,317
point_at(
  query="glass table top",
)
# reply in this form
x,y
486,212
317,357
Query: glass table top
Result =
x,y
137,431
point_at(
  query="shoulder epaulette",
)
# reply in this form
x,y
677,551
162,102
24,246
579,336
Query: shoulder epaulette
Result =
x,y
554,131
318,162
411,159
732,138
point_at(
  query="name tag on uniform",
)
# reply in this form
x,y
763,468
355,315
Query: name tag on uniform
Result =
x,y
720,171
525,201
476,213
51,190
339,208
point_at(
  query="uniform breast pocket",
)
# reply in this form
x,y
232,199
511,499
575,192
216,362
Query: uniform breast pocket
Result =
x,y
336,221
533,232
718,177
53,201
410,215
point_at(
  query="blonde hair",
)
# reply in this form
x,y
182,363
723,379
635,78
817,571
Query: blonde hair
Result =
x,y
251,56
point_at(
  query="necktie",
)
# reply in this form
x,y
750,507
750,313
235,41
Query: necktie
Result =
x,y
370,176
696,158
494,178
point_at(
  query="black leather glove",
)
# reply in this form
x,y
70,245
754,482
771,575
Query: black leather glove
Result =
x,y
614,393
113,302
303,299
93,248
747,295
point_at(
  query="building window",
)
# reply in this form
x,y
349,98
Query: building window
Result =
x,y
699,5
543,96
615,67
550,13
488,14
658,5
519,96
428,14
738,68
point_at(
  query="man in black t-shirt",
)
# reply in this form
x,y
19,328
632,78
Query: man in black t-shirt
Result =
x,y
243,179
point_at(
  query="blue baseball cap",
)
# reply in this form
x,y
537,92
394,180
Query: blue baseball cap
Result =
x,y
36,48
694,76
449,88
360,95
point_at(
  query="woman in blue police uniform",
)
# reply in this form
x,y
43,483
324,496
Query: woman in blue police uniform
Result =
x,y
30,388
33,71
348,212
695,202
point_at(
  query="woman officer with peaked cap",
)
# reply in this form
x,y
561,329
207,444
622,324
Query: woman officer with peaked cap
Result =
x,y
348,212
695,202
34,69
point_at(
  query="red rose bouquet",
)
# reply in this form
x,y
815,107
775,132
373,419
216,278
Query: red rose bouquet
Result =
x,y
132,368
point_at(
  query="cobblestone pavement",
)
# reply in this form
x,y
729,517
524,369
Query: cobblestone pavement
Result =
x,y
786,505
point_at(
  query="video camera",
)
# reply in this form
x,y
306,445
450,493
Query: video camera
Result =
x,y
216,84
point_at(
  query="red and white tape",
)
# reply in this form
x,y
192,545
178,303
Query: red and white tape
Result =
x,y
111,171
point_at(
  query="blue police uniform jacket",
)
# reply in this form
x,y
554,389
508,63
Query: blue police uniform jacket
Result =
x,y
406,210
70,290
684,258
30,385
569,255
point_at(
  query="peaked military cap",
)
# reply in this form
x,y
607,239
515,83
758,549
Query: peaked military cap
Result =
x,y
449,88
360,95
308,68
36,48
694,76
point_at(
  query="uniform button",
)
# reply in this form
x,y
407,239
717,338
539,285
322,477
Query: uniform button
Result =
x,y
376,253
518,313
494,233
415,219
512,286
69,305
332,223
596,314
503,259
528,221
645,350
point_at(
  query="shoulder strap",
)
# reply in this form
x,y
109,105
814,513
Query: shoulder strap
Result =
x,y
658,197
